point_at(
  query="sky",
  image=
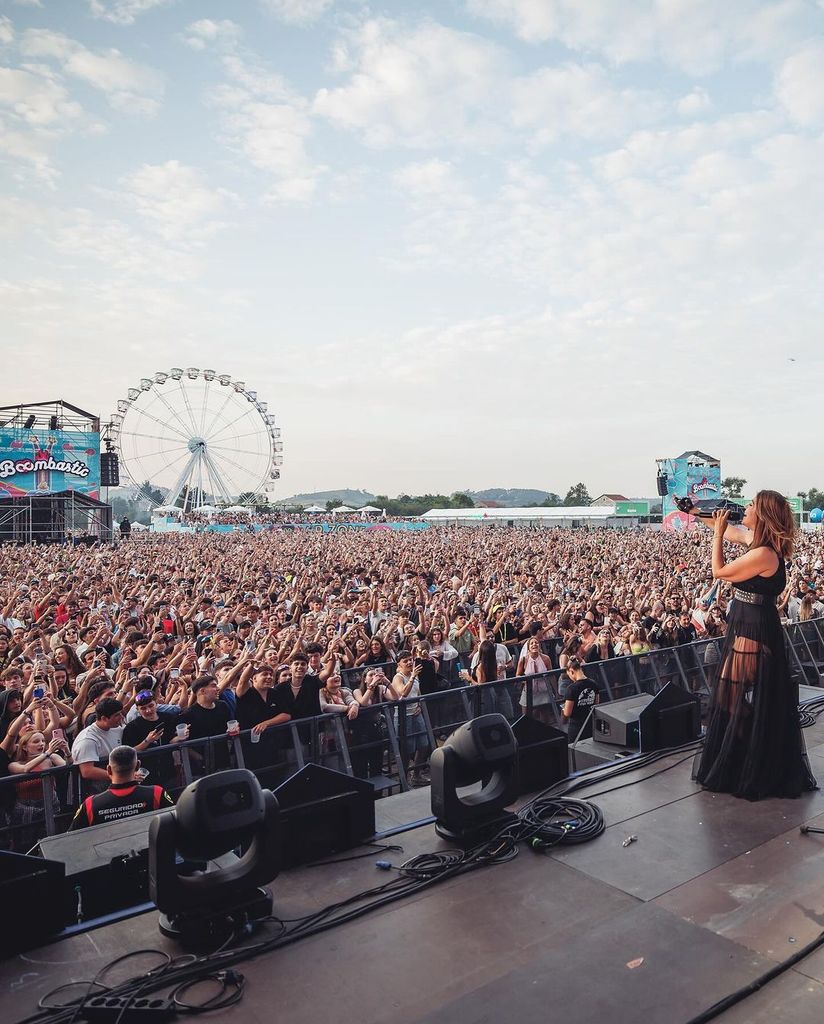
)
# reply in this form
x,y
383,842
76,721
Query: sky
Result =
x,y
453,245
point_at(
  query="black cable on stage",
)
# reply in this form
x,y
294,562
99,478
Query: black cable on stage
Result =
x,y
758,983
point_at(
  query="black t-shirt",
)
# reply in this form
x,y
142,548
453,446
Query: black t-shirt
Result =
x,y
137,730
307,702
685,634
428,678
585,694
252,708
205,722
594,654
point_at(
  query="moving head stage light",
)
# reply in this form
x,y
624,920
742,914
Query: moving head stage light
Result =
x,y
213,817
483,752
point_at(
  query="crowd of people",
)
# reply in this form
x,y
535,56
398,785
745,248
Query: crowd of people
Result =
x,y
165,639
274,517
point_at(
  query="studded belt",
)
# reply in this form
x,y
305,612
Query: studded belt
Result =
x,y
748,598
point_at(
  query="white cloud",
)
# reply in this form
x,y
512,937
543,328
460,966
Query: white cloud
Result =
x,y
431,86
800,84
83,235
694,103
417,87
36,110
695,36
264,120
175,201
651,152
123,12
37,97
430,178
297,12
199,35
580,100
29,3
6,30
128,85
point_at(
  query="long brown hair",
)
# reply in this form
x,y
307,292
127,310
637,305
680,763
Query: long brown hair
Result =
x,y
775,524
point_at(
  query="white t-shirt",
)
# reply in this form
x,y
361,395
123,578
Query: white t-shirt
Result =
x,y
95,744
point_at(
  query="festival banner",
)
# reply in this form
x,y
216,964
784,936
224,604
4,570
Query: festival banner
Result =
x,y
695,481
48,461
632,508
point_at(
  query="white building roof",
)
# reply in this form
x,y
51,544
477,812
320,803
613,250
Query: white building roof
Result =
x,y
538,512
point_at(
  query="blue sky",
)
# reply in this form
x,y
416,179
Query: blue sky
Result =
x,y
463,244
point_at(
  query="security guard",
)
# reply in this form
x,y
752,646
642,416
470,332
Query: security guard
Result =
x,y
125,797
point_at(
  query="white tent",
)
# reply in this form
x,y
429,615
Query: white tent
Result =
x,y
208,509
238,508
314,508
341,508
368,508
166,509
139,526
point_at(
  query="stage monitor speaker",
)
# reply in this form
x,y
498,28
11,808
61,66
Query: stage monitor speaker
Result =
x,y
617,722
31,895
323,812
109,470
672,718
106,867
542,754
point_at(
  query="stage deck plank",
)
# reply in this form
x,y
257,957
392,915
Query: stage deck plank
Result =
x,y
684,839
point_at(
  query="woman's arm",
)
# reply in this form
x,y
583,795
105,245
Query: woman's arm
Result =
x,y
758,562
734,534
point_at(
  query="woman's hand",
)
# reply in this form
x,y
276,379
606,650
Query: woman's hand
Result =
x,y
720,519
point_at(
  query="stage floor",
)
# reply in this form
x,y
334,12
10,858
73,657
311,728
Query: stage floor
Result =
x,y
713,893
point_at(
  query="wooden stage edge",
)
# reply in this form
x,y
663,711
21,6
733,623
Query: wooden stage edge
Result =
x,y
714,893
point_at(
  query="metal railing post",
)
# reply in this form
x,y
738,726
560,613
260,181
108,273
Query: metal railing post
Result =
x,y
605,679
48,805
392,737
337,725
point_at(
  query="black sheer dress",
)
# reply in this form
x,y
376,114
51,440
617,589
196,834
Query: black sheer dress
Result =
x,y
753,747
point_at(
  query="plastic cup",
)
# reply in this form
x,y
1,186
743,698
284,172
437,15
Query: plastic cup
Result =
x,y
256,736
233,727
182,730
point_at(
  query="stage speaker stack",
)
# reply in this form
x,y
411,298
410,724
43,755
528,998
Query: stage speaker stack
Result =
x,y
672,718
31,895
323,812
542,754
109,470
106,867
618,722
669,719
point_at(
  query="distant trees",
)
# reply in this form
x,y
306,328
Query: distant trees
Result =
x,y
552,500
812,498
577,495
415,505
733,486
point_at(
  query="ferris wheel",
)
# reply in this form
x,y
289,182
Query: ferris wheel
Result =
x,y
199,436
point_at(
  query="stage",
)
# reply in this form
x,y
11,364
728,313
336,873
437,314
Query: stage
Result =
x,y
713,893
